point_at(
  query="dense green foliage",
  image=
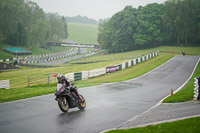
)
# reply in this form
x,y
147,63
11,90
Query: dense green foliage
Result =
x,y
76,33
174,22
25,24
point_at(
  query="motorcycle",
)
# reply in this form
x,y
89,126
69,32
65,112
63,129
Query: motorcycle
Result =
x,y
67,99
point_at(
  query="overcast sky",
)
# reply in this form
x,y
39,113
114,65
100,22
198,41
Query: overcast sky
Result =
x,y
95,9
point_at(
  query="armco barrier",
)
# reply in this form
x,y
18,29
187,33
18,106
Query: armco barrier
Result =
x,y
110,69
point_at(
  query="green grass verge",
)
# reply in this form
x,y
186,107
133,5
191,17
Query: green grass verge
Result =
x,y
35,51
187,92
19,78
5,55
178,50
83,33
129,73
49,50
26,92
16,93
183,126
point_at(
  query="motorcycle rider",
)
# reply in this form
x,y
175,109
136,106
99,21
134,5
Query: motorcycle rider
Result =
x,y
68,83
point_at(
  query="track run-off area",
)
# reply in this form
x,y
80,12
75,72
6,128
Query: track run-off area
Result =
x,y
108,106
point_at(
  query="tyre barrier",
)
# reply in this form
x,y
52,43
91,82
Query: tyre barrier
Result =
x,y
110,69
42,58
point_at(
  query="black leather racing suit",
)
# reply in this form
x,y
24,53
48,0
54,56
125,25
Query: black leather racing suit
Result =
x,y
68,83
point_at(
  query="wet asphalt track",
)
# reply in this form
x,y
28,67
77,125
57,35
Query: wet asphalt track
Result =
x,y
108,106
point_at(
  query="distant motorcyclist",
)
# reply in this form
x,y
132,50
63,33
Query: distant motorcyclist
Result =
x,y
183,53
68,83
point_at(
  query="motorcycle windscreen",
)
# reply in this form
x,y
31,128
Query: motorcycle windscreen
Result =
x,y
59,86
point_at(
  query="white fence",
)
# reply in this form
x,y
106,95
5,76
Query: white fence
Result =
x,y
85,75
70,76
5,84
101,71
96,72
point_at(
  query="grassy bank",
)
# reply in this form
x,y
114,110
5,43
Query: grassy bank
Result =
x,y
19,78
178,50
128,73
16,93
187,92
26,92
183,126
49,50
35,51
5,55
83,33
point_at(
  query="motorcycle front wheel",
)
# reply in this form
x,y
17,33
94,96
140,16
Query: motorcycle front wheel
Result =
x,y
82,103
63,104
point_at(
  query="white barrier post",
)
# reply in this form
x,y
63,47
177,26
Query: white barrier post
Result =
x,y
102,71
139,60
196,88
143,58
5,84
85,75
96,72
129,63
147,57
70,76
134,62
123,66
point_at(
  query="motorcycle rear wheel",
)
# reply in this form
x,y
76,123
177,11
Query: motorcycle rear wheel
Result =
x,y
82,103
63,104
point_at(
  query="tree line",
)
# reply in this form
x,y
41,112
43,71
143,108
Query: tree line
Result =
x,y
176,22
25,24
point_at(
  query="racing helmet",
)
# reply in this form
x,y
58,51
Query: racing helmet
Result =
x,y
59,77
